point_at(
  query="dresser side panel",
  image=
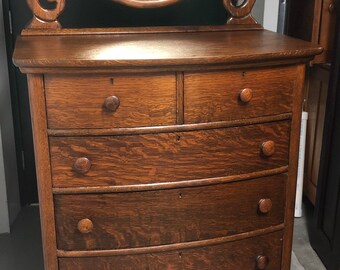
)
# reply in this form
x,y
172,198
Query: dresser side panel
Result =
x,y
42,158
293,165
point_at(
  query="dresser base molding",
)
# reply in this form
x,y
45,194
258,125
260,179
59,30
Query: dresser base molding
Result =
x,y
172,247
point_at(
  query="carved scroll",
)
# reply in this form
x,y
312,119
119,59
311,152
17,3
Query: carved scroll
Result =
x,y
147,3
45,18
240,14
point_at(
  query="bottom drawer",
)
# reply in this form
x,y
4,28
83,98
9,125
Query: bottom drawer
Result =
x,y
242,255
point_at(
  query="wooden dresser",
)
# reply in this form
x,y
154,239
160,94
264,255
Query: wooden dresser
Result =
x,y
165,148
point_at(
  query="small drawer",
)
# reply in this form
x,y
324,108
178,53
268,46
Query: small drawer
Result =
x,y
154,218
168,157
101,101
242,94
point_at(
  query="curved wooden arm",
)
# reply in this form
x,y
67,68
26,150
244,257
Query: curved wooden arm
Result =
x,y
240,14
146,3
45,18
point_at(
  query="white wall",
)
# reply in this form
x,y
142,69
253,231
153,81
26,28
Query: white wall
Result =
x,y
271,13
258,11
9,187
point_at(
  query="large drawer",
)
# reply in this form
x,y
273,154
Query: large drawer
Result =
x,y
241,255
152,218
217,96
167,157
102,101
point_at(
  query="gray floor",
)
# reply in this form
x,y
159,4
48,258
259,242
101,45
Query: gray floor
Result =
x,y
21,250
305,255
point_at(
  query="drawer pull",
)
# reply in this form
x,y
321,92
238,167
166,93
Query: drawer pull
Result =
x,y
82,165
112,103
268,148
265,206
262,262
85,226
246,95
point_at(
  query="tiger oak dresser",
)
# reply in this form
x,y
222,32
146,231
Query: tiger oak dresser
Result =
x,y
164,147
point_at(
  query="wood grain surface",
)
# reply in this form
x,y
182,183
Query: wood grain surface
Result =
x,y
43,166
293,167
154,218
168,157
78,101
161,49
215,96
229,256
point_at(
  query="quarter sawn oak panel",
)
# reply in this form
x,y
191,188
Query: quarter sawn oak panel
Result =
x,y
229,256
215,96
168,157
79,101
152,218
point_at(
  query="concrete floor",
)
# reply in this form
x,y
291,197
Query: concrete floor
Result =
x,y
305,255
21,250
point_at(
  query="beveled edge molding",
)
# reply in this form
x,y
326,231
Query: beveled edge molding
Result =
x,y
170,247
136,30
48,18
167,129
169,185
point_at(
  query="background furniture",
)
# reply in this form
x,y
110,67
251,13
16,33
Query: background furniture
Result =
x,y
314,21
324,231
164,147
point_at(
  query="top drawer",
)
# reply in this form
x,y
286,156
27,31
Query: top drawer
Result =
x,y
217,96
102,101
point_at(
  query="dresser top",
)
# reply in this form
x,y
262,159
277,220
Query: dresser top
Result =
x,y
161,49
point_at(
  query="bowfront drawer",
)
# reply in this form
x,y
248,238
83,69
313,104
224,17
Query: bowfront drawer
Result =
x,y
168,157
262,252
232,95
153,218
87,101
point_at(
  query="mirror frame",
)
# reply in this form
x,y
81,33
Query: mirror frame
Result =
x,y
146,3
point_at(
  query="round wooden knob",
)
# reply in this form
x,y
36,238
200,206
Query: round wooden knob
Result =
x,y
246,95
268,148
82,165
112,103
85,226
331,8
265,206
262,262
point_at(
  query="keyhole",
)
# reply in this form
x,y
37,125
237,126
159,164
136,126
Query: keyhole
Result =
x,y
178,138
112,81
180,195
